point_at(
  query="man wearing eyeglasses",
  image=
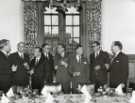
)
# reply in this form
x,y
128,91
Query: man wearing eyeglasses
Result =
x,y
99,61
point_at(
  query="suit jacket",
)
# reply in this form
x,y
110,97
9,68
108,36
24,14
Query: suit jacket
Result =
x,y
119,70
5,73
20,77
39,73
101,74
62,73
82,67
49,68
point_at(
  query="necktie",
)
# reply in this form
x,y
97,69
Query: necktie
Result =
x,y
96,54
47,56
22,56
37,60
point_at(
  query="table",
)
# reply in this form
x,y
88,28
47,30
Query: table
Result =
x,y
76,98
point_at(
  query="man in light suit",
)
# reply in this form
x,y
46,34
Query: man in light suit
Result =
x,y
119,68
79,69
99,61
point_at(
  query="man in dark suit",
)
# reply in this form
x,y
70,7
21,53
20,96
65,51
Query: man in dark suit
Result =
x,y
79,69
119,68
37,69
62,68
5,69
99,61
21,61
49,63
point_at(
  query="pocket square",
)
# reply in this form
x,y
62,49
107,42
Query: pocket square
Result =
x,y
117,61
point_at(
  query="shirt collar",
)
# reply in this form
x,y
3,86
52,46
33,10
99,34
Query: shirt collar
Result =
x,y
97,52
20,54
38,57
117,53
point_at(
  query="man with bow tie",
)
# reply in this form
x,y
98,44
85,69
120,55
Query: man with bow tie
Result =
x,y
21,61
99,61
119,68
37,69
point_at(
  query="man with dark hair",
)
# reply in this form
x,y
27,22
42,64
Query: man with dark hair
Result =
x,y
70,46
99,61
21,61
119,68
5,69
79,68
49,63
37,69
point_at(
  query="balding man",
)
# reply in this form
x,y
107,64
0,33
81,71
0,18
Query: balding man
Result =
x,y
20,60
119,67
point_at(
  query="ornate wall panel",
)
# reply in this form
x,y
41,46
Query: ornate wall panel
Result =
x,y
90,22
93,22
32,24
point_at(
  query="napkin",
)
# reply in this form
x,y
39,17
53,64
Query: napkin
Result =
x,y
119,90
44,92
10,93
87,95
4,99
132,99
49,98
52,89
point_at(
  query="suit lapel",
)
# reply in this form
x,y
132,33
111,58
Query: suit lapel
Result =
x,y
4,56
116,59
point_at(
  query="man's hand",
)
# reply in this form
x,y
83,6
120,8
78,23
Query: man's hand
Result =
x,y
64,64
14,68
56,67
26,65
31,72
76,74
98,67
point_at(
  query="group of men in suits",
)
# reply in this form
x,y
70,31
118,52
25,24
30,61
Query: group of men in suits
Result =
x,y
17,69
105,70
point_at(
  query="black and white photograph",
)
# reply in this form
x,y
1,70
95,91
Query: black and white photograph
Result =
x,y
67,51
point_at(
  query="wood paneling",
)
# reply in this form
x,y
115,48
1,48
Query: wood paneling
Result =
x,y
132,68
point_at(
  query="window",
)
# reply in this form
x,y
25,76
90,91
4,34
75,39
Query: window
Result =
x,y
73,24
51,22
